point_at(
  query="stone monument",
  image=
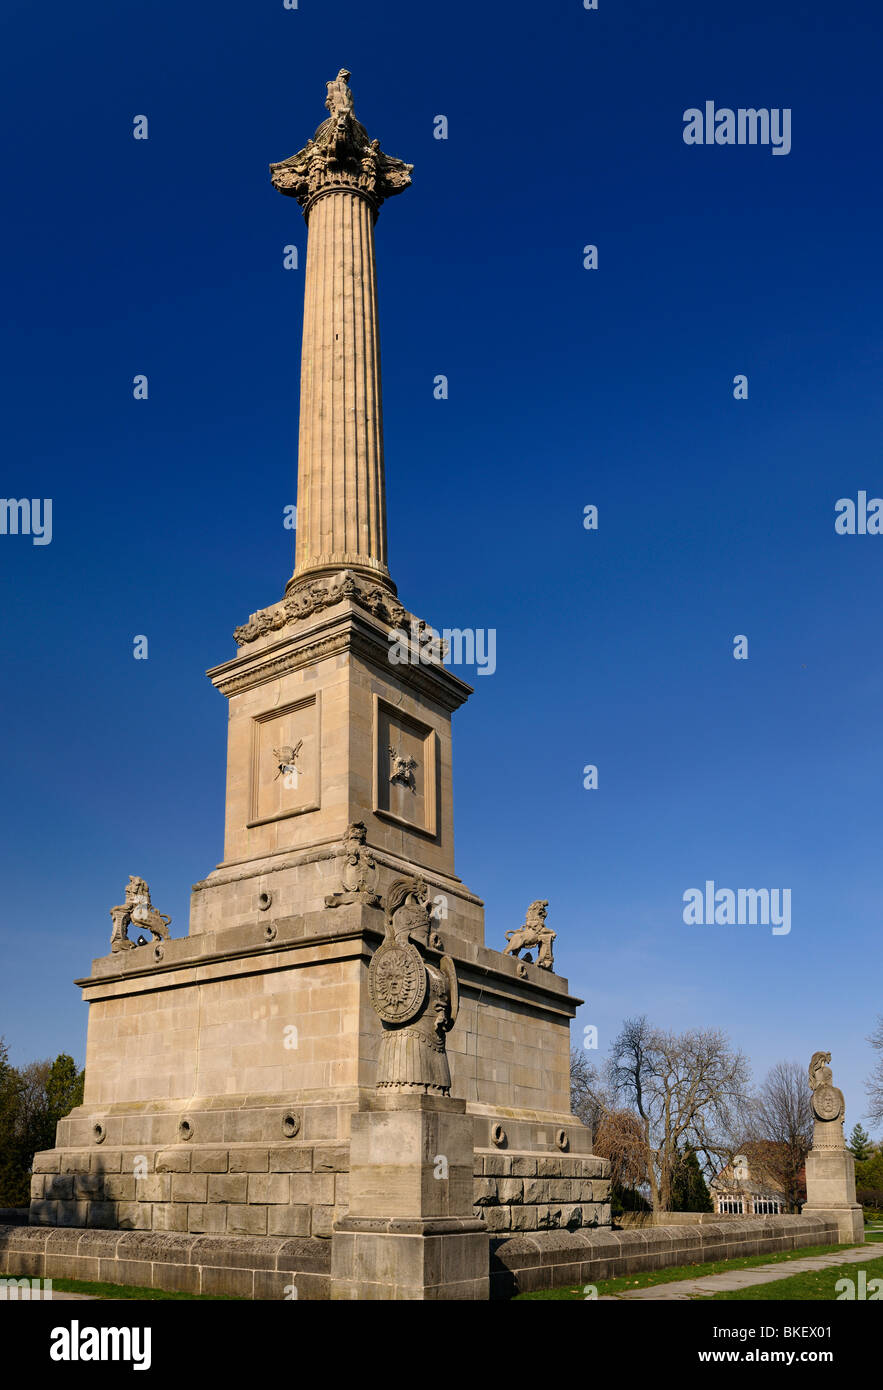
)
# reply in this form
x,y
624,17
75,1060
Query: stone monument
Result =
x,y
237,1077
830,1167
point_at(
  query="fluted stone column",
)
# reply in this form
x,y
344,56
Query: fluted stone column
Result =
x,y
340,180
341,519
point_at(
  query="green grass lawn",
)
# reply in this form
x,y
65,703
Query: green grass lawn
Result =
x,y
130,1291
816,1287
647,1278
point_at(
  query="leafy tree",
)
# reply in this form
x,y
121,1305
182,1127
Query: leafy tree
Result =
x,y
33,1099
869,1171
689,1190
64,1088
10,1090
626,1199
860,1144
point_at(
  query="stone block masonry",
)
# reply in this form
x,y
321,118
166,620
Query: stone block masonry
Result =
x,y
551,1259
537,1192
266,1267
293,1189
253,1268
296,1189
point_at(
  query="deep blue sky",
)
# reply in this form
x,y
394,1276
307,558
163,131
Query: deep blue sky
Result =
x,y
567,387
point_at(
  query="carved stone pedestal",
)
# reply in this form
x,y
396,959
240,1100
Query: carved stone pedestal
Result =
x,y
410,1232
830,1191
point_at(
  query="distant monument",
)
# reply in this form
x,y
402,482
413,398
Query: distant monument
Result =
x,y
830,1167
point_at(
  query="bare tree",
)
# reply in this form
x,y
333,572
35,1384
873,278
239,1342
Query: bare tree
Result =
x,y
616,1132
686,1088
587,1099
619,1138
874,1083
779,1129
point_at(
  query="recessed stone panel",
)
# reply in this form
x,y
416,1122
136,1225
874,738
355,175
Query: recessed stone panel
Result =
x,y
286,773
405,781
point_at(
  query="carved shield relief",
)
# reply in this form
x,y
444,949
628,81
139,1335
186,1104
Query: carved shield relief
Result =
x,y
397,982
827,1102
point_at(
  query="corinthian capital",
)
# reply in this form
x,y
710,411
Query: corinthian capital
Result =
x,y
340,155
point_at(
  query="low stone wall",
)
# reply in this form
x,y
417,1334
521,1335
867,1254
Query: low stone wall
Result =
x,y
535,1192
549,1259
276,1268
638,1220
257,1268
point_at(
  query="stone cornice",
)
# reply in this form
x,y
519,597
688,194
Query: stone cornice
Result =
x,y
312,595
486,972
346,630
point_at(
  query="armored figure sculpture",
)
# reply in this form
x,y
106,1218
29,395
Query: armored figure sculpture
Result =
x,y
358,877
534,932
828,1105
137,911
417,1002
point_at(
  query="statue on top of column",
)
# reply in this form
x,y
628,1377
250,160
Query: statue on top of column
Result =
x,y
340,99
340,155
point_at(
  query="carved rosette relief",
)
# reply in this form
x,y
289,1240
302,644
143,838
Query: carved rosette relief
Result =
x,y
416,1002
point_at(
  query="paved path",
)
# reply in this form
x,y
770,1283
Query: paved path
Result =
x,y
758,1274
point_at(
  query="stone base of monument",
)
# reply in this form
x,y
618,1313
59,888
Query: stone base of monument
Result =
x,y
410,1232
830,1192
